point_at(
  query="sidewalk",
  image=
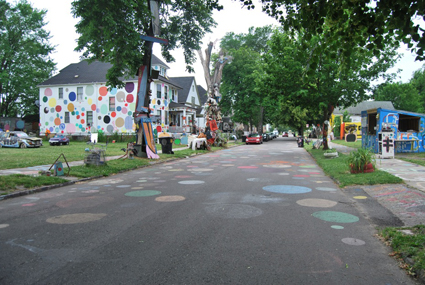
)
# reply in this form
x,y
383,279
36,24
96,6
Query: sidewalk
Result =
x,y
405,201
412,174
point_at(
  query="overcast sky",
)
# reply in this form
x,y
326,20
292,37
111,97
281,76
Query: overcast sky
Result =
x,y
232,19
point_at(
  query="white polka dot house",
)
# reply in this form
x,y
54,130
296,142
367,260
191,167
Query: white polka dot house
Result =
x,y
77,102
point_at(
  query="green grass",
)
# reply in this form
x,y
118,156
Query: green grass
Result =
x,y
338,169
407,247
47,155
11,183
75,151
357,144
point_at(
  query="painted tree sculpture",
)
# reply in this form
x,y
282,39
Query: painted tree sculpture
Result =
x,y
212,113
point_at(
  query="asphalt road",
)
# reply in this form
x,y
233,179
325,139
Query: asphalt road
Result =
x,y
255,214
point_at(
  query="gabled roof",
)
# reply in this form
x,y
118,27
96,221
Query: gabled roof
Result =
x,y
185,82
83,73
157,61
203,96
365,105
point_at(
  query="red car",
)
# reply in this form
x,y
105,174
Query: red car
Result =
x,y
285,135
254,138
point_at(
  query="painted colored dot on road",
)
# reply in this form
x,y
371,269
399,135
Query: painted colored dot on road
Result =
x,y
336,227
320,203
353,241
308,166
75,218
248,167
143,193
191,182
360,197
172,198
325,189
287,189
336,217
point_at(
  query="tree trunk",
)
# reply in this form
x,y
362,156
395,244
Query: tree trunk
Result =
x,y
260,121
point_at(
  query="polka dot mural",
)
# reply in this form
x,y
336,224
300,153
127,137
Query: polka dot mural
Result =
x,y
130,98
103,91
89,90
96,100
52,102
120,97
48,92
72,96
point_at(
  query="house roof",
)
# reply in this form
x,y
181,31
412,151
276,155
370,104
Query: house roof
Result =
x,y
185,82
157,61
95,72
203,96
365,105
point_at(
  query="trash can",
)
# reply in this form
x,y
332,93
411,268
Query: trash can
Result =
x,y
300,142
166,144
243,138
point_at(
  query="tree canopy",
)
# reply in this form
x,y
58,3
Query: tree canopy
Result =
x,y
348,25
110,30
24,58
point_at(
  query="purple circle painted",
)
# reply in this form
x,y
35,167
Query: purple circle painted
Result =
x,y
129,87
286,189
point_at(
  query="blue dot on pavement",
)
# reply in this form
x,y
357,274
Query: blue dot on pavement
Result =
x,y
286,189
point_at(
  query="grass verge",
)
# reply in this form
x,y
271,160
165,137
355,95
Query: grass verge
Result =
x,y
337,168
408,244
15,182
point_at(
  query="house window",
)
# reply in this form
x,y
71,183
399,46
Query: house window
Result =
x,y
158,113
66,117
89,118
166,92
193,101
174,96
79,93
408,123
111,104
60,93
158,91
162,71
193,88
371,123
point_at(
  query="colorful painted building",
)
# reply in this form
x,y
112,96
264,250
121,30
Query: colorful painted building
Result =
x,y
407,130
77,101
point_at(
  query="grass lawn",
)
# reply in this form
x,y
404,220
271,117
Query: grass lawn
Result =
x,y
47,155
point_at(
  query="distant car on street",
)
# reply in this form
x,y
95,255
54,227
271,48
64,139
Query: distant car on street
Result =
x,y
285,134
19,139
59,140
254,138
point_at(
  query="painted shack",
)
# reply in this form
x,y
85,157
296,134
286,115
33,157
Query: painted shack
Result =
x,y
393,131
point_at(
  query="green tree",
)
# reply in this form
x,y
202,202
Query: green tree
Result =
x,y
242,88
418,81
110,31
24,58
350,25
404,96
317,89
240,98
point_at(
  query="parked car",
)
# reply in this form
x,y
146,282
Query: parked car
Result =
x,y
59,140
266,137
19,139
254,138
285,134
272,135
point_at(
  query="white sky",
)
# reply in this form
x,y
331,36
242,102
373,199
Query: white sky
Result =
x,y
232,19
